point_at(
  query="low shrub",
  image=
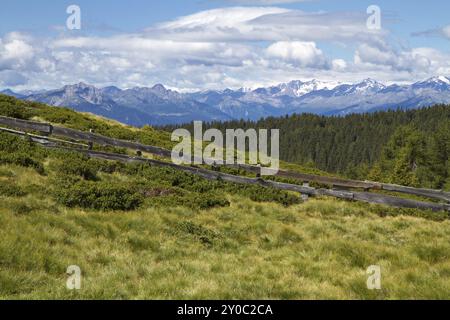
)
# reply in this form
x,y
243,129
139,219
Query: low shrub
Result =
x,y
22,159
11,107
106,166
96,195
200,186
18,151
208,200
11,190
19,208
263,194
11,144
205,235
71,163
190,200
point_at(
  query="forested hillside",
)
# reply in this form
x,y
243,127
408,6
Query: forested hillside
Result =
x,y
405,147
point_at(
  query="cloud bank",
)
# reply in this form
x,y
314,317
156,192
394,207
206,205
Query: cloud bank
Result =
x,y
227,47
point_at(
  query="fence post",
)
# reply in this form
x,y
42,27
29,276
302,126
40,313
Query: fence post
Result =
x,y
305,197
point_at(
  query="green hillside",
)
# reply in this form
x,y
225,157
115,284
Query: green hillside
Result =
x,y
139,231
409,147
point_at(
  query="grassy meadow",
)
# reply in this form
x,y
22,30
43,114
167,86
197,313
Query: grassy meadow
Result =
x,y
142,232
247,250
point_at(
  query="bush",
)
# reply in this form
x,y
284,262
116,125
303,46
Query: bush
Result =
x,y
206,201
22,159
205,189
194,201
19,208
14,108
74,163
96,195
263,194
11,190
11,144
205,235
71,163
106,166
18,151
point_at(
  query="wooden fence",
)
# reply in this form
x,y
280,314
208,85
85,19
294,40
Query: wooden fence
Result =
x,y
44,128
331,182
214,175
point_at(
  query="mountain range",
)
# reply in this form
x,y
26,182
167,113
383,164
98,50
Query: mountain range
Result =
x,y
159,106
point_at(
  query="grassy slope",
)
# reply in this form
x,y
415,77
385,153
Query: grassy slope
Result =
x,y
319,249
15,108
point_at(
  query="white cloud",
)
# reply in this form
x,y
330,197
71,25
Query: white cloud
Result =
x,y
15,51
418,63
139,50
303,54
266,24
446,31
339,64
223,18
376,55
228,47
441,32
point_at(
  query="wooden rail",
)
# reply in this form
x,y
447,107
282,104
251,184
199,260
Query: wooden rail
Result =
x,y
329,181
42,139
102,140
398,202
45,128
337,182
205,173
214,175
430,193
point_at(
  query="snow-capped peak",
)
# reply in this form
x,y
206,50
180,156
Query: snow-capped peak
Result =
x,y
369,84
444,79
299,88
438,79
439,83
159,88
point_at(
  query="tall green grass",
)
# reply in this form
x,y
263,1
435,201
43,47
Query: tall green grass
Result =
x,y
247,250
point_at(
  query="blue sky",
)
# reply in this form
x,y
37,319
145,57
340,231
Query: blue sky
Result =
x,y
200,44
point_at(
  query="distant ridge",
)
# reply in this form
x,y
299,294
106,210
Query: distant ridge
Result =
x,y
159,106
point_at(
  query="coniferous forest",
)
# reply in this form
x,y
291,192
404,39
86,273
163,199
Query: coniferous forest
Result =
x,y
409,147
